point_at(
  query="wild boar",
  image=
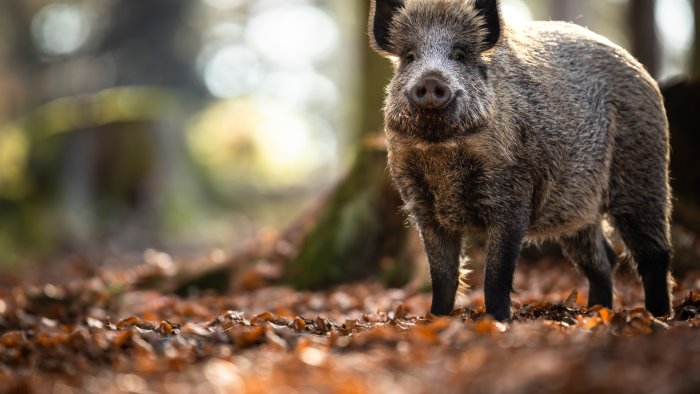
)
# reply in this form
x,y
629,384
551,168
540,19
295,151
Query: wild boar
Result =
x,y
527,133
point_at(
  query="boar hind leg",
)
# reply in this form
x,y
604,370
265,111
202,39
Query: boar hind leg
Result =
x,y
592,253
443,249
649,244
640,198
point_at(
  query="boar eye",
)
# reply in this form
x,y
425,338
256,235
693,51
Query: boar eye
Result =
x,y
409,57
459,55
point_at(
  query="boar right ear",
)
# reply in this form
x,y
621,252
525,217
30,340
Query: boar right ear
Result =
x,y
490,10
381,14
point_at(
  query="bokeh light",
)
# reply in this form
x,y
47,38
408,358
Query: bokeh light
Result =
x,y
61,28
293,35
676,27
281,108
303,88
262,143
674,20
232,71
516,11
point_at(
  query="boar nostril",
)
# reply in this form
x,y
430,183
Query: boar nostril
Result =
x,y
430,93
439,92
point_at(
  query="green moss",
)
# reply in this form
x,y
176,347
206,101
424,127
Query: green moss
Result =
x,y
357,228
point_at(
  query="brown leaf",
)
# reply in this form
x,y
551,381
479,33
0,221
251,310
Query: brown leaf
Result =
x,y
12,338
489,326
263,317
128,322
244,337
321,326
606,315
299,324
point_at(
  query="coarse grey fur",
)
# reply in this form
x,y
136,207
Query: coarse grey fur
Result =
x,y
528,133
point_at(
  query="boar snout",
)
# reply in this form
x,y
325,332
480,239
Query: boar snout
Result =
x,y
430,93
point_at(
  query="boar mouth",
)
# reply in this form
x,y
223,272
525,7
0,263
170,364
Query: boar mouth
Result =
x,y
439,125
435,126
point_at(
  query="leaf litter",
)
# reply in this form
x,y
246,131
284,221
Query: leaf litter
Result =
x,y
106,333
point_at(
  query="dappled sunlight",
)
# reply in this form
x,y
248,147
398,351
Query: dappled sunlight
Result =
x,y
262,143
271,60
286,142
278,129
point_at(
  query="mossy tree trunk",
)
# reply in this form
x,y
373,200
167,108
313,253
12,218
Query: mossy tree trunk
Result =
x,y
360,231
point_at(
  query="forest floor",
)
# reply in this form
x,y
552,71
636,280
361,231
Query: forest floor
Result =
x,y
102,334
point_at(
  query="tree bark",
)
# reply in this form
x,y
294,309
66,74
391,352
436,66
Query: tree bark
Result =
x,y
645,42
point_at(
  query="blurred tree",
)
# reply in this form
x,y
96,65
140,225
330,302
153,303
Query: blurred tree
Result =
x,y
695,66
149,42
682,99
21,65
361,230
114,159
644,39
136,169
19,58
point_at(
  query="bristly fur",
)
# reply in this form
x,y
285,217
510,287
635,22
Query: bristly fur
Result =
x,y
550,129
458,19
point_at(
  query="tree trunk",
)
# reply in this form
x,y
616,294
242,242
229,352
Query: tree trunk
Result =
x,y
645,42
695,66
682,100
148,58
361,230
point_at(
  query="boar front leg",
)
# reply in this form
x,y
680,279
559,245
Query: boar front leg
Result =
x,y
503,246
443,248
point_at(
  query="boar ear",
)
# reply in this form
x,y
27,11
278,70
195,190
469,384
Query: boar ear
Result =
x,y
490,11
381,14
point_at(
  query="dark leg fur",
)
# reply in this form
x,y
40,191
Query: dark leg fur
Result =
x,y
654,269
651,250
502,249
593,254
443,249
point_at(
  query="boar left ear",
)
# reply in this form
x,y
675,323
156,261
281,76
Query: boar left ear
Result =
x,y
490,11
381,13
